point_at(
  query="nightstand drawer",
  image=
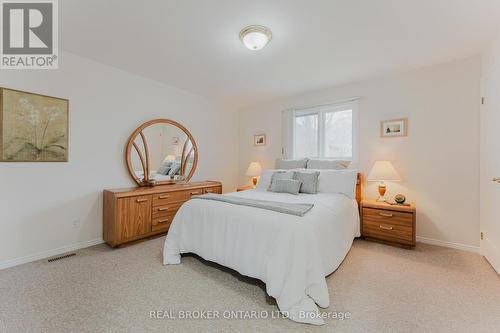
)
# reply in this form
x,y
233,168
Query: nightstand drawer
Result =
x,y
388,231
388,216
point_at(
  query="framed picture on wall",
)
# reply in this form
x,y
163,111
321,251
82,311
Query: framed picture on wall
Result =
x,y
259,140
33,127
394,128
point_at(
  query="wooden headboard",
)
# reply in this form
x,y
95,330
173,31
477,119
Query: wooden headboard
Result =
x,y
359,183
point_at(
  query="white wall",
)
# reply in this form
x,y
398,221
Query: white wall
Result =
x,y
439,160
39,201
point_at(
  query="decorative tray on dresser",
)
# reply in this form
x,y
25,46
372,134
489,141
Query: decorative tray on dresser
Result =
x,y
138,213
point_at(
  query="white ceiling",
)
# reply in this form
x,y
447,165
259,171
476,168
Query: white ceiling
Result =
x,y
194,45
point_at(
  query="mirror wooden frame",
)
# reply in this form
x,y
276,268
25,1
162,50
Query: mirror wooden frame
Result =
x,y
145,160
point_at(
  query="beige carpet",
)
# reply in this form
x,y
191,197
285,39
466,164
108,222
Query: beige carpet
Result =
x,y
386,289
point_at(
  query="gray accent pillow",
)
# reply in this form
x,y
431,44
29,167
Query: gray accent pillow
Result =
x,y
164,168
291,186
279,175
290,164
328,164
174,169
309,181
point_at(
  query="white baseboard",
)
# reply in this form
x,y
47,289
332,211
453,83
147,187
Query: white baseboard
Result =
x,y
49,253
452,245
81,245
491,253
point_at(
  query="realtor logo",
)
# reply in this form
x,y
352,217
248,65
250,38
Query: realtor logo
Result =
x,y
29,36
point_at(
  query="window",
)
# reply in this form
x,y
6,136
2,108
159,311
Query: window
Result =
x,y
306,137
338,134
326,132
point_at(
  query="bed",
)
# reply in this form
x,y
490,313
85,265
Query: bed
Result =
x,y
292,255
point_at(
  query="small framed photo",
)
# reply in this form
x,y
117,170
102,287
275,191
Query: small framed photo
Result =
x,y
259,140
394,128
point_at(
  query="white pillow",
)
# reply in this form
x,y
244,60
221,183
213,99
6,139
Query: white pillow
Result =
x,y
290,164
338,181
328,164
265,179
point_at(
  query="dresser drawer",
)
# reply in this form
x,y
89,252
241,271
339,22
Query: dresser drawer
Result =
x,y
198,191
163,227
162,223
388,216
170,209
212,190
162,199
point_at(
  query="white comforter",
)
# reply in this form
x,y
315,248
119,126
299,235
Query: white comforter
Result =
x,y
291,254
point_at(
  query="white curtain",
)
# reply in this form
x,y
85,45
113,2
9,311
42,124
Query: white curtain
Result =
x,y
287,118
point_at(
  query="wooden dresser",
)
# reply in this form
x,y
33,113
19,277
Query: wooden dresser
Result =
x,y
390,224
137,213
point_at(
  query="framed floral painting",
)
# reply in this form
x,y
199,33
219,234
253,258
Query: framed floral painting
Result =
x,y
33,127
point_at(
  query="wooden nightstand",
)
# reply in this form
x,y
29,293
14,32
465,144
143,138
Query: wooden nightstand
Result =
x,y
244,188
390,224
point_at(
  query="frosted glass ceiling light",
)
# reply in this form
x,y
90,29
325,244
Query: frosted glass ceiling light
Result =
x,y
255,37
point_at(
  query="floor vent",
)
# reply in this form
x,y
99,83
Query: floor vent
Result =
x,y
62,257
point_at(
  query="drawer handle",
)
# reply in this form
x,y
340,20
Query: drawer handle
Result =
x,y
162,209
386,214
384,227
164,197
141,200
163,221
194,193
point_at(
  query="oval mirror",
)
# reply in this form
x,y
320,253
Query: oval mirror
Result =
x,y
160,152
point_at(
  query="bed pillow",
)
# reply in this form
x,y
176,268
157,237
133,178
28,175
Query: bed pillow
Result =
x,y
280,175
338,181
174,169
291,186
290,164
164,168
309,181
265,179
328,164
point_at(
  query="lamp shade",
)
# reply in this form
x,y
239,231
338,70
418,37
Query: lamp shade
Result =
x,y
383,171
169,158
254,169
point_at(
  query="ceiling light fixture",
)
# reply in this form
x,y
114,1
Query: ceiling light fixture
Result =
x,y
255,37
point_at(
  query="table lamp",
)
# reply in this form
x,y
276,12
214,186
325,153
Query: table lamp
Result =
x,y
254,170
383,171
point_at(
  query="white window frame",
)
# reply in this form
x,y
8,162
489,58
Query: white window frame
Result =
x,y
288,128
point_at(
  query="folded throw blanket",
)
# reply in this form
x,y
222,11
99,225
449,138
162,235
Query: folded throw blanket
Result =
x,y
298,209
